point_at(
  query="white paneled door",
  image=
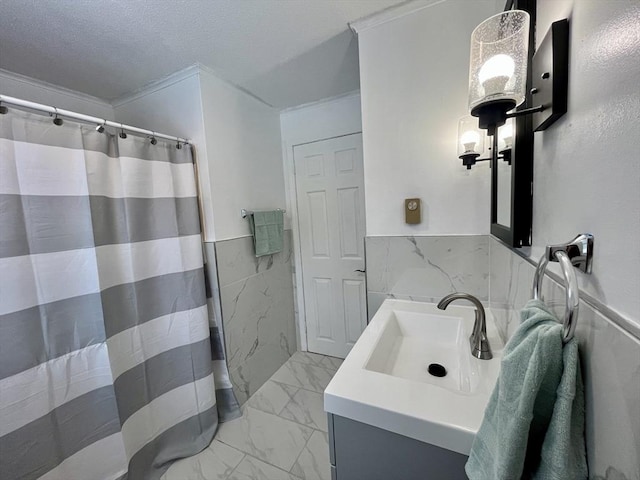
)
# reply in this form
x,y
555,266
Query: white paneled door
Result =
x,y
330,195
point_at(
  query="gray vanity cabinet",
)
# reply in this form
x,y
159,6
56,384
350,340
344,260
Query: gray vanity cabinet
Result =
x,y
362,452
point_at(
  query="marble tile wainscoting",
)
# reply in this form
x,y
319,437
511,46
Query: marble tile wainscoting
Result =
x,y
257,311
610,358
426,268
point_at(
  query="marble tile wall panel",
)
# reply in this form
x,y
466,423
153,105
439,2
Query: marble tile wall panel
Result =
x,y
610,359
237,261
374,301
511,278
426,268
250,375
257,311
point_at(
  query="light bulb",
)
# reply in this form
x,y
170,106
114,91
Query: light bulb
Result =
x,y
505,135
495,73
469,140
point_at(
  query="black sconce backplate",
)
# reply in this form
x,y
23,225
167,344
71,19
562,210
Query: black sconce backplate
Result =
x,y
550,75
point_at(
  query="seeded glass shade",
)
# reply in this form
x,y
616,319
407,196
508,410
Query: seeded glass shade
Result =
x,y
470,137
498,65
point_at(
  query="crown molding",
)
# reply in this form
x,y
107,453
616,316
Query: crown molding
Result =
x,y
193,70
157,85
390,14
219,77
34,82
321,102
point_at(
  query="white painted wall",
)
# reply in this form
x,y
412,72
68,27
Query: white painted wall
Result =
x,y
320,120
587,165
309,123
174,107
413,82
244,154
27,88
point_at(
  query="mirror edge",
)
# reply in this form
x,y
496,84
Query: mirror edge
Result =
x,y
519,233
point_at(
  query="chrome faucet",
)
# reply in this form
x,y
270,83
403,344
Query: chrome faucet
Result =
x,y
480,347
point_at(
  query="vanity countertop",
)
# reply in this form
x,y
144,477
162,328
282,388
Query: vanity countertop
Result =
x,y
384,382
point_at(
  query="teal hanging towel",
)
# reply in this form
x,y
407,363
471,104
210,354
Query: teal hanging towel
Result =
x,y
533,426
267,228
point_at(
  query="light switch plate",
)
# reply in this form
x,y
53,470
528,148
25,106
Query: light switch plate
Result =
x,y
412,211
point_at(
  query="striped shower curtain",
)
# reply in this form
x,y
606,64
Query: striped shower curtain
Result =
x,y
105,348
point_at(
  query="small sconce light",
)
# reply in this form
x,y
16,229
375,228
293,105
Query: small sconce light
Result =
x,y
470,141
506,134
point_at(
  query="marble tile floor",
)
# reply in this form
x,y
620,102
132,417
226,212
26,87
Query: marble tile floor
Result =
x,y
282,434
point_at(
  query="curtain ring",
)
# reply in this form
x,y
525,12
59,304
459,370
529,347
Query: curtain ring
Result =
x,y
57,120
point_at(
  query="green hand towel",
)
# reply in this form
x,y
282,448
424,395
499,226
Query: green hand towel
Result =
x,y
267,229
533,426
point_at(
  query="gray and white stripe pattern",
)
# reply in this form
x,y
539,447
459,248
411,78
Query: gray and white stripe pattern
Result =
x,y
105,350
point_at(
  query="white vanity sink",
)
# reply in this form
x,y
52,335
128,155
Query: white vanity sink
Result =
x,y
385,382
411,341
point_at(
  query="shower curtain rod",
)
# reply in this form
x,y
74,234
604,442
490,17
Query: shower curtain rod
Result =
x,y
87,118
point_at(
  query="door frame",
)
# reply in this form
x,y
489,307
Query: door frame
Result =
x,y
292,206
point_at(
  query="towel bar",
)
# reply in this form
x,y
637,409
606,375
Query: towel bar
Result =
x,y
579,254
244,212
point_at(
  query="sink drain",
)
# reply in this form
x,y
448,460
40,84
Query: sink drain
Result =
x,y
437,370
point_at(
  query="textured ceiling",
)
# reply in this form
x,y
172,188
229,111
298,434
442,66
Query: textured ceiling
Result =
x,y
286,52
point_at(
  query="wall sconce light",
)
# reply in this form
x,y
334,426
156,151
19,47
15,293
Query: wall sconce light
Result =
x,y
499,67
472,141
498,72
515,89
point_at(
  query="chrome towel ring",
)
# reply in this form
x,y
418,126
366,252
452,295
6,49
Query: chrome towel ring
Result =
x,y
579,254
